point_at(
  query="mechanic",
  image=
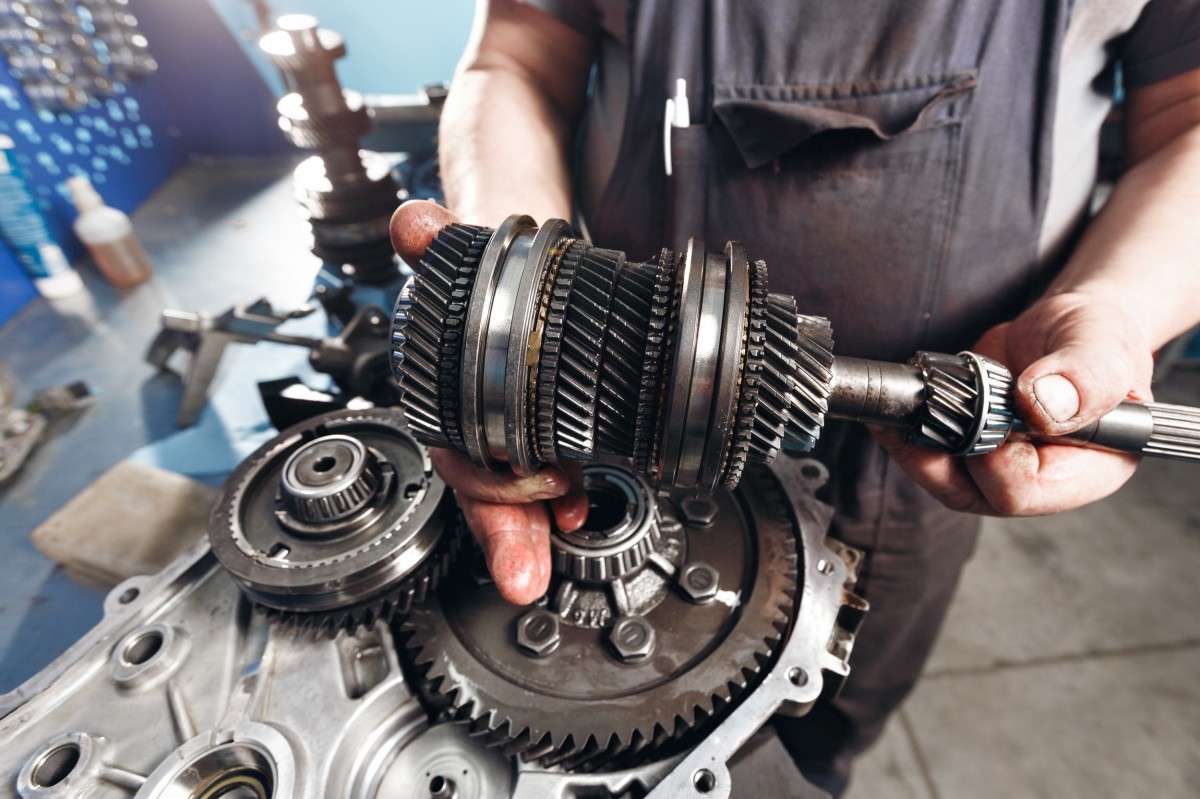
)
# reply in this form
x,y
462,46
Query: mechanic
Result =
x,y
918,172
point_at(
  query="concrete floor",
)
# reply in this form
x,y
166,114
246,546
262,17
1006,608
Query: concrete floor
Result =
x,y
1069,665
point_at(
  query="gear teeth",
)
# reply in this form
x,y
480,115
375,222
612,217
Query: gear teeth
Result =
x,y
582,354
552,339
810,383
753,357
775,394
955,418
427,334
394,604
648,417
624,352
567,741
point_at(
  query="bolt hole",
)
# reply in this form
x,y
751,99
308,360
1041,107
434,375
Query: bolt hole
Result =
x,y
798,677
279,552
704,780
56,765
811,471
441,788
411,490
142,648
325,463
128,595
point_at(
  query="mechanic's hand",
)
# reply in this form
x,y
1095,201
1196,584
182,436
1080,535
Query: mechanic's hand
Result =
x,y
510,515
1076,358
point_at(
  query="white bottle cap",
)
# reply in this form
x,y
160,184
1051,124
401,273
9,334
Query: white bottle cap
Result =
x,y
83,194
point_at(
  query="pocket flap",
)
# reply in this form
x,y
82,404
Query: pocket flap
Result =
x,y
767,121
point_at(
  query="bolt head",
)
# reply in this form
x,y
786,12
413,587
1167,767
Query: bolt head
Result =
x,y
699,582
699,511
538,633
632,638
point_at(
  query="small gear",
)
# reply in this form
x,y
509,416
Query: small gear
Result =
x,y
752,367
305,536
650,391
576,707
427,334
811,381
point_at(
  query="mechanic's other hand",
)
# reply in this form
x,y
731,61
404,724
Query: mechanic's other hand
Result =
x,y
510,515
1076,358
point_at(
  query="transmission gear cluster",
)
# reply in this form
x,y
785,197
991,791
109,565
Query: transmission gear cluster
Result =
x,y
526,346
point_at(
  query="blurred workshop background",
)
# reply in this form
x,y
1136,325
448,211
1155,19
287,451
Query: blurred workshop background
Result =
x,y
1069,663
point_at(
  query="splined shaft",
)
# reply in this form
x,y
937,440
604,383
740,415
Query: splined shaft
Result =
x,y
526,346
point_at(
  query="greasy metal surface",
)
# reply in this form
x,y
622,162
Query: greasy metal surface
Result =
x,y
617,687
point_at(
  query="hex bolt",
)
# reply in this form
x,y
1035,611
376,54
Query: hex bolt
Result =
x,y
699,511
699,582
632,638
537,633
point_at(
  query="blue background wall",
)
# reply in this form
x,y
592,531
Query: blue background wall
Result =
x,y
213,95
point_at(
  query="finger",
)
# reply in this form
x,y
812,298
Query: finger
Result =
x,y
516,544
571,509
414,224
1026,479
942,475
464,476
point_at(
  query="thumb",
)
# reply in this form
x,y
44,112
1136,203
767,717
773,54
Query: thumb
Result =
x,y
1092,365
413,227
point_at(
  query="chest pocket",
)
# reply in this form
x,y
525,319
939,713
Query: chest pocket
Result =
x,y
847,190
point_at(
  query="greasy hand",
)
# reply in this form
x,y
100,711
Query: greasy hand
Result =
x,y
1076,357
510,515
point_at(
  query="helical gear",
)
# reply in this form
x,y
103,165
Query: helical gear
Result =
x,y
967,409
577,353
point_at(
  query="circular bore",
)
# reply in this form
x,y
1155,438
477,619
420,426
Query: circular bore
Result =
x,y
476,342
703,385
691,277
621,530
65,766
237,769
729,367
329,479
528,284
371,555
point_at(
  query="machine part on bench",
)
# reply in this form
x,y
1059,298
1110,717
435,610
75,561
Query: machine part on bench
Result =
x,y
347,195
182,690
336,522
356,358
642,665
686,365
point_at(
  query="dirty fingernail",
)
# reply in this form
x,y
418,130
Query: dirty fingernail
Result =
x,y
1057,396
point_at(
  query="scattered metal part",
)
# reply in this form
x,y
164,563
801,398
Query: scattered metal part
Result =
x,y
23,429
356,358
686,365
336,522
348,194
67,54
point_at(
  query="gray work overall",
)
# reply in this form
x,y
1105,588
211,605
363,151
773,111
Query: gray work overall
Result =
x,y
892,172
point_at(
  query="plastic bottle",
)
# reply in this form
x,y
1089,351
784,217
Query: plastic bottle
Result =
x,y
24,231
108,235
